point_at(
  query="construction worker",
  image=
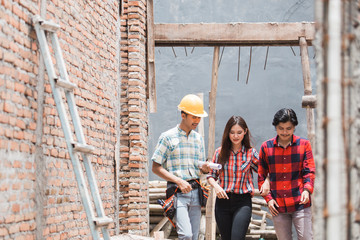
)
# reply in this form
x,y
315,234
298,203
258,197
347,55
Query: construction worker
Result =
x,y
176,159
288,161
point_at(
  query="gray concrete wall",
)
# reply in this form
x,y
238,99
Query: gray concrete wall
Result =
x,y
279,85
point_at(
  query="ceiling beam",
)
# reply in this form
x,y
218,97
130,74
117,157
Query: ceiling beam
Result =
x,y
233,34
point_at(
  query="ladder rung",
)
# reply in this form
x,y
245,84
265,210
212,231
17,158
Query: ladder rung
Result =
x,y
49,26
102,221
65,84
84,148
46,25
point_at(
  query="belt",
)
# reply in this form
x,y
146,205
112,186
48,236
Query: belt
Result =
x,y
193,183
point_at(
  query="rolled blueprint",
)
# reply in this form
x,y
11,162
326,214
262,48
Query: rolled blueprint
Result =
x,y
215,166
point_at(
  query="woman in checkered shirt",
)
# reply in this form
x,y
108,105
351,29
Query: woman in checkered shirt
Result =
x,y
235,187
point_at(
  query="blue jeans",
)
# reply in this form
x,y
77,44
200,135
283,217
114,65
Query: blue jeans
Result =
x,y
188,215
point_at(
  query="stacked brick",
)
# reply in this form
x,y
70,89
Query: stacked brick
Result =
x,y
39,198
133,165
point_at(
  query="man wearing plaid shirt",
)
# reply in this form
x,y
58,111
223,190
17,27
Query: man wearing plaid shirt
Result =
x,y
176,159
288,161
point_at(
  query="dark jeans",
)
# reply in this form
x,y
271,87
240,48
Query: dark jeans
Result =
x,y
233,216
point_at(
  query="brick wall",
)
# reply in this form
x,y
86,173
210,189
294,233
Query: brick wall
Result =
x,y
133,165
38,193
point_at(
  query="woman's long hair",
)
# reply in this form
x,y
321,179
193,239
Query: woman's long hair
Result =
x,y
226,142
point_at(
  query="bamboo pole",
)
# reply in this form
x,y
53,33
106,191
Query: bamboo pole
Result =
x,y
210,218
335,174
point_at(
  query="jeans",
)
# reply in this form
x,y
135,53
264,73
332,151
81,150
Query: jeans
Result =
x,y
233,216
188,215
302,223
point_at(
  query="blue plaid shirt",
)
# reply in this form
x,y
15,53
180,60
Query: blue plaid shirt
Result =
x,y
179,154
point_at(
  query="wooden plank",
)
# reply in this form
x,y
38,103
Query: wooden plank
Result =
x,y
130,237
307,89
263,222
210,218
261,213
201,128
233,34
259,201
264,233
202,230
159,226
167,229
201,131
159,235
150,61
157,184
305,66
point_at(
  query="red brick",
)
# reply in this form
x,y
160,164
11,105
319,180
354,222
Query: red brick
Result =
x,y
17,164
24,147
8,107
136,220
3,232
14,146
19,88
20,124
15,208
24,227
28,165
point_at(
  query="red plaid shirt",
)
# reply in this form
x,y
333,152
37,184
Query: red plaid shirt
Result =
x,y
236,177
291,171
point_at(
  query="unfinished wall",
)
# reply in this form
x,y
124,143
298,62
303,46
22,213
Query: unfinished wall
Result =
x,y
39,197
134,121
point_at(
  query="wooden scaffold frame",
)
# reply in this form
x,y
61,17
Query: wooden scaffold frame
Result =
x,y
229,34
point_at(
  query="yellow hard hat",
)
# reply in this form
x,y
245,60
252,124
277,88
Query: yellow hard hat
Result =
x,y
193,105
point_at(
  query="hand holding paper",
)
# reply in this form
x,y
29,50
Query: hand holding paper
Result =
x,y
214,166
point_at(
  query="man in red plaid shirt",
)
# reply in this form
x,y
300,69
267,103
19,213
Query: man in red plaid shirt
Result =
x,y
288,161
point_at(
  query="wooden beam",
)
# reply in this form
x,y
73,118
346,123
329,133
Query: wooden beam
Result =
x,y
150,61
305,66
210,218
159,235
159,226
233,34
201,128
307,90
